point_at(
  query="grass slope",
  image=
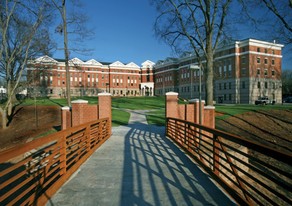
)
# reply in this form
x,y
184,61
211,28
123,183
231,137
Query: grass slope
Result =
x,y
157,107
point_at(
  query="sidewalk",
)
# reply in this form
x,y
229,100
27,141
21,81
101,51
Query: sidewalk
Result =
x,y
139,166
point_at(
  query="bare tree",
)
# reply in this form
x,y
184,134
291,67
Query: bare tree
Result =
x,y
63,30
77,22
21,30
271,19
287,83
198,23
283,12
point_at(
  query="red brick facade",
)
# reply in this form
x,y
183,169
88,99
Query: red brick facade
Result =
x,y
243,72
82,112
189,112
47,77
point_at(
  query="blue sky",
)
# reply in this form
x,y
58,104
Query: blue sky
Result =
x,y
124,32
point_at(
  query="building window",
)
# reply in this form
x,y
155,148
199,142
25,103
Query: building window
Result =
x,y
258,71
266,72
266,50
243,85
259,85
243,60
273,51
243,71
224,85
258,60
273,72
230,97
225,97
220,86
266,61
258,49
266,85
229,70
220,71
229,85
273,61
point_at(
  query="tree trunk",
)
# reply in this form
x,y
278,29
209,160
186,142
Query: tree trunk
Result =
x,y
209,72
68,92
4,118
11,98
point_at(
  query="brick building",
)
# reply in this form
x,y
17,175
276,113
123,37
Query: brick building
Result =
x,y
47,77
243,72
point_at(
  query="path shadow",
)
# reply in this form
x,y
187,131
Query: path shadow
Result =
x,y
156,172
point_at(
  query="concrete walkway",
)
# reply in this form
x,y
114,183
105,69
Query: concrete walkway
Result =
x,y
139,166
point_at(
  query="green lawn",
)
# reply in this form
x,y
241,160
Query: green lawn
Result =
x,y
138,103
231,110
120,117
156,104
57,102
156,117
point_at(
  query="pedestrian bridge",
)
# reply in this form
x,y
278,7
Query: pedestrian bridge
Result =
x,y
137,165
140,164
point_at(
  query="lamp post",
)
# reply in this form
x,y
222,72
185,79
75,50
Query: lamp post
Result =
x,y
197,68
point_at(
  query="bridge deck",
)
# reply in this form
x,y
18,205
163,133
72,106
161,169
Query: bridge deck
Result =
x,y
139,166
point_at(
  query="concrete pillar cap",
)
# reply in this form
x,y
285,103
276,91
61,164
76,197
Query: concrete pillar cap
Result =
x,y
209,107
104,94
79,101
65,108
171,93
196,100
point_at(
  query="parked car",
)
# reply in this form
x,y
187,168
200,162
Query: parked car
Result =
x,y
287,99
264,101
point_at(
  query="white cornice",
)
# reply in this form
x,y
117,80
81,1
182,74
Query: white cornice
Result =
x,y
44,60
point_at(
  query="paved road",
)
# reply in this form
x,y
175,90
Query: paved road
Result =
x,y
139,166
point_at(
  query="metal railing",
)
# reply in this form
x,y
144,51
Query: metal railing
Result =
x,y
31,173
251,173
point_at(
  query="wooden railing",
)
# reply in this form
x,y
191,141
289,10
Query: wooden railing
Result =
x,y
31,173
251,173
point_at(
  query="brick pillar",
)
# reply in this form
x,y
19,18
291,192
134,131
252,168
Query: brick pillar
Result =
x,y
78,112
209,116
105,106
196,103
65,118
171,104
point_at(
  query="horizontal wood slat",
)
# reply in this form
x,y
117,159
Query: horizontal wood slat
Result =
x,y
33,172
253,174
